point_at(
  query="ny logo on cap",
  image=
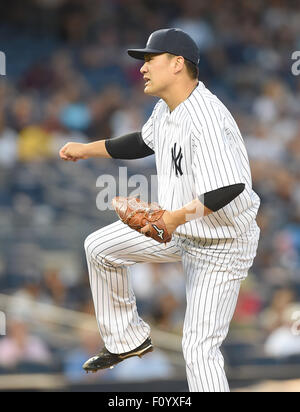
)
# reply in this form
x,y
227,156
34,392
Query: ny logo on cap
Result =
x,y
149,40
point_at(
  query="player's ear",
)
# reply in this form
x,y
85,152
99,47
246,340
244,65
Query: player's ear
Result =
x,y
178,64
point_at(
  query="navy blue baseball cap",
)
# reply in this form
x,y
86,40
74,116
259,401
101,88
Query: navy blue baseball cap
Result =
x,y
173,41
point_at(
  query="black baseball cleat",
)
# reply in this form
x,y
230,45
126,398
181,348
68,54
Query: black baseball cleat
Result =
x,y
106,359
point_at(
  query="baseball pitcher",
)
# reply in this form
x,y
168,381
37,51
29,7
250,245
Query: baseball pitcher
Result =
x,y
205,215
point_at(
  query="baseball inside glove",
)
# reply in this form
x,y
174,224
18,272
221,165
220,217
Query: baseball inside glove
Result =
x,y
137,214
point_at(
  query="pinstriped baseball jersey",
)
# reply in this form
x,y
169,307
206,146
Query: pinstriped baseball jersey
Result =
x,y
199,148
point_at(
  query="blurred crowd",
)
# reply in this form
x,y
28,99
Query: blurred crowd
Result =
x,y
69,78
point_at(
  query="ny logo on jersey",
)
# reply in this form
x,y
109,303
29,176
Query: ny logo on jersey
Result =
x,y
176,160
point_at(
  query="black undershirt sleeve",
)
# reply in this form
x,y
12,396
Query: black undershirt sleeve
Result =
x,y
216,199
129,146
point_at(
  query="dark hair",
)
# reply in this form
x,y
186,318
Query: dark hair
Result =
x,y
192,69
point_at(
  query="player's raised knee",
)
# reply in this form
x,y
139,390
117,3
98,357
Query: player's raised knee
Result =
x,y
88,242
96,245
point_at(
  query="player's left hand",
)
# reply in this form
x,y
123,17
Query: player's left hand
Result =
x,y
144,217
73,151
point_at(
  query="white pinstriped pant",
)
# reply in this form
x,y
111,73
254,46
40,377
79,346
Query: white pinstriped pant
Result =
x,y
213,271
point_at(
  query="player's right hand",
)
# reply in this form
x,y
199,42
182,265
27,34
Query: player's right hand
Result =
x,y
73,151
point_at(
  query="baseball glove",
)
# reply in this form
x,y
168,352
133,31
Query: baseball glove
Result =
x,y
137,214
